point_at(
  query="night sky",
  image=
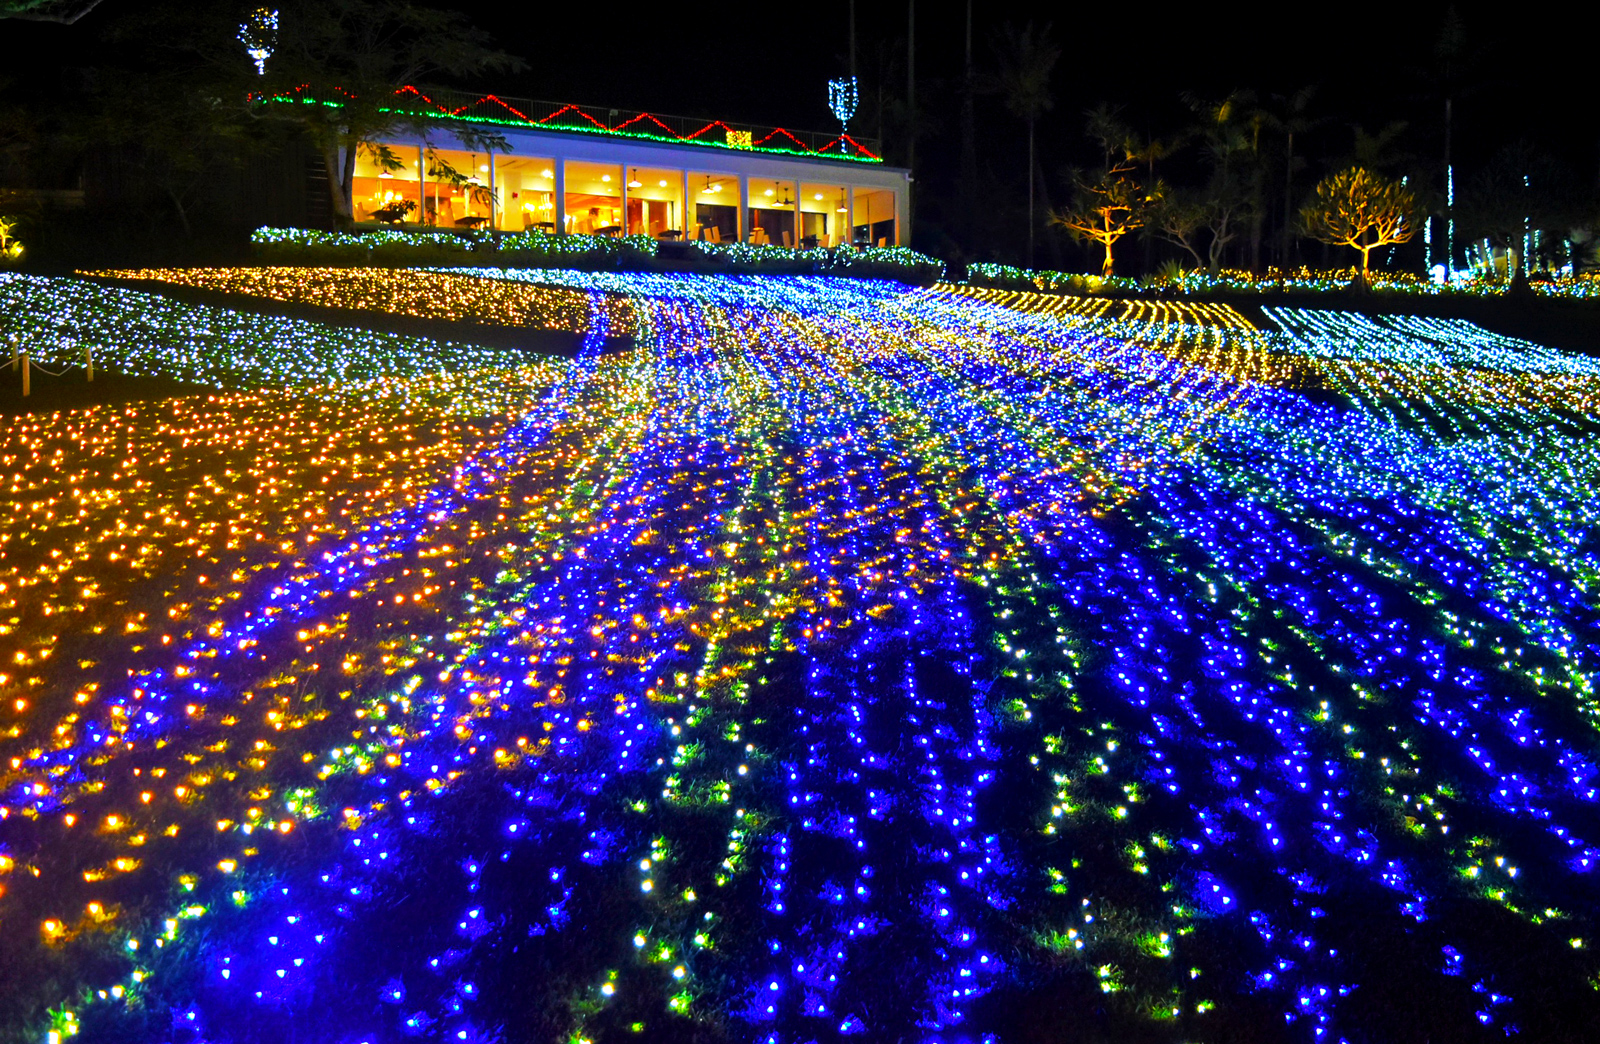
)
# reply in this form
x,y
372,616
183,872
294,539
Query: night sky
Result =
x,y
1372,64
771,63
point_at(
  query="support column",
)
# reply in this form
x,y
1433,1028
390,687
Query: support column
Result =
x,y
744,207
624,199
422,183
560,170
850,215
799,222
494,197
685,205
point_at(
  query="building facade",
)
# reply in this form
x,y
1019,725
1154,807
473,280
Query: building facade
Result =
x,y
571,169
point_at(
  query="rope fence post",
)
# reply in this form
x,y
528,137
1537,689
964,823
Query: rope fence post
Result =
x,y
26,381
88,361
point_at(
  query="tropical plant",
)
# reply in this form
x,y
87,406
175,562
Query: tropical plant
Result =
x,y
1291,118
1228,132
1026,60
1359,209
1179,217
1521,199
10,246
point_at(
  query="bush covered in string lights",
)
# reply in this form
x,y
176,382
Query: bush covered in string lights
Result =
x,y
1010,277
1302,280
536,249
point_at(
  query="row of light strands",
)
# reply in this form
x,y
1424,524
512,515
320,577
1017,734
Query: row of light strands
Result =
x,y
841,661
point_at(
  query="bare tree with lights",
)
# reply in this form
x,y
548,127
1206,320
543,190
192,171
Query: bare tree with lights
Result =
x,y
1106,209
1361,210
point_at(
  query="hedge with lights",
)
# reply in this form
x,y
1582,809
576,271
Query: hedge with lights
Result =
x,y
535,249
1302,280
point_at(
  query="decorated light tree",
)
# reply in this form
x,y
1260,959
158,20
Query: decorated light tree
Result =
x,y
1106,209
1359,209
843,96
259,34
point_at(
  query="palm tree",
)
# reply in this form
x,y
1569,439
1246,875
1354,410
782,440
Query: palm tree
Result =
x,y
1291,119
1229,136
1026,60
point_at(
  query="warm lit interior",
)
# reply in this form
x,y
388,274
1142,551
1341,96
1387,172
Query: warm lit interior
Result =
x,y
448,188
824,215
381,192
594,198
527,187
772,203
873,221
655,202
716,206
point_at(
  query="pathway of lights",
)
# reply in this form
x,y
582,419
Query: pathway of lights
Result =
x,y
422,294
843,660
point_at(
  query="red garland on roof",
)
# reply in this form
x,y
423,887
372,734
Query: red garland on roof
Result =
x,y
844,144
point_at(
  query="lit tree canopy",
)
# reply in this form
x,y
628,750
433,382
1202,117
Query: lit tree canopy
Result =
x,y
1106,209
1361,210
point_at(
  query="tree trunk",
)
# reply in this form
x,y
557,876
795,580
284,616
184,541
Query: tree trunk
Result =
x,y
336,193
1288,207
1030,192
183,215
1255,242
969,149
1450,199
348,185
1053,242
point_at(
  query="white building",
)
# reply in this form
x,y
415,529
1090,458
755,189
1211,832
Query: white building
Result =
x,y
609,172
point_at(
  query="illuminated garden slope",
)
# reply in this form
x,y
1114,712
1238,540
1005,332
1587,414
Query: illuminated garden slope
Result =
x,y
843,660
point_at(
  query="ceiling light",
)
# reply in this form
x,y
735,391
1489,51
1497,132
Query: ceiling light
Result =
x,y
817,196
663,184
605,177
772,192
547,173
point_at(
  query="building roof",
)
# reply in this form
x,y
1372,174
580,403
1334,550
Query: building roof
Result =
x,y
446,105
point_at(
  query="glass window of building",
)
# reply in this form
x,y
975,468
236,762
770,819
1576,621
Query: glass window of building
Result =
x,y
655,202
716,207
772,204
386,188
594,198
458,193
526,187
874,220
824,215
